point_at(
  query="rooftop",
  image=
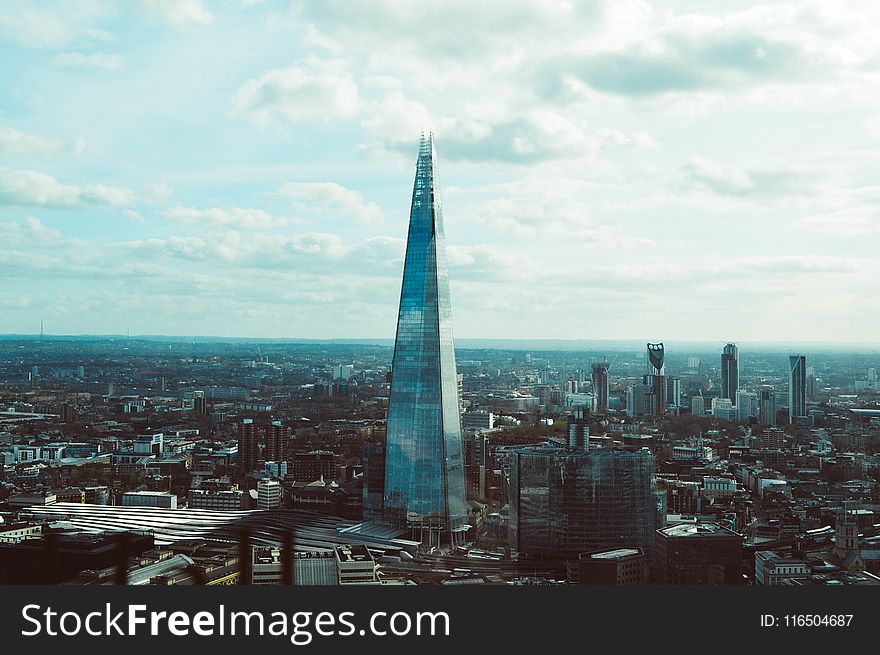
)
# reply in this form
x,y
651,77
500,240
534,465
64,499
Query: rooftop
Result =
x,y
697,530
619,553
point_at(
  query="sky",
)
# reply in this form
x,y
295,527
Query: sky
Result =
x,y
610,169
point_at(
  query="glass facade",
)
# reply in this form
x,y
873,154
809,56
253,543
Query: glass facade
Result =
x,y
729,371
424,472
565,502
797,387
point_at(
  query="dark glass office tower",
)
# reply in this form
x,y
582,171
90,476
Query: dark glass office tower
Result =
x,y
424,472
729,372
568,501
797,387
600,386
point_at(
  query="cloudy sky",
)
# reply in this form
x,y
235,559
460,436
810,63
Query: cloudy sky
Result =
x,y
610,169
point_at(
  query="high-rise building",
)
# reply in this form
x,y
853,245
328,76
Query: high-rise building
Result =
x,y
424,469
767,411
729,372
637,397
656,357
811,382
655,378
248,446
277,436
723,409
343,372
600,386
797,387
578,429
374,481
200,403
673,391
698,406
564,502
746,405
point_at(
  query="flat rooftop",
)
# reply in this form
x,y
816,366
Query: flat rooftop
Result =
x,y
618,553
353,553
696,530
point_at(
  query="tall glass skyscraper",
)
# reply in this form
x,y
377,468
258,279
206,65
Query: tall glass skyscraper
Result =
x,y
797,387
730,371
424,471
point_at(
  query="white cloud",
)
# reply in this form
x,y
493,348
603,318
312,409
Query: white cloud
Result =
x,y
181,14
298,93
17,142
32,188
96,60
245,218
330,200
53,25
31,231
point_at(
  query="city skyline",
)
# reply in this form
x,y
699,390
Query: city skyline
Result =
x,y
701,169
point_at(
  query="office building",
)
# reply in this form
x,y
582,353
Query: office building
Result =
x,y
747,405
797,387
723,409
355,565
698,406
220,500
269,494
600,386
162,499
772,569
565,502
729,372
374,481
619,566
424,469
200,403
314,465
767,410
477,419
673,392
343,372
698,554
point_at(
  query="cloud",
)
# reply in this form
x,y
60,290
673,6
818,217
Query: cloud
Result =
x,y
181,14
330,200
28,233
755,182
244,218
546,208
97,60
692,52
54,25
250,249
486,135
32,188
17,142
848,222
298,93
873,126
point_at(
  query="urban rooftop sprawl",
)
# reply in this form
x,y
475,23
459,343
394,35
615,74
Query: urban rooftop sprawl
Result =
x,y
162,461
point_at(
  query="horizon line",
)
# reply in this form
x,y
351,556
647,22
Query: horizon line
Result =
x,y
562,340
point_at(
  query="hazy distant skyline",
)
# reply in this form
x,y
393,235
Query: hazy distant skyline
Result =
x,y
678,171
